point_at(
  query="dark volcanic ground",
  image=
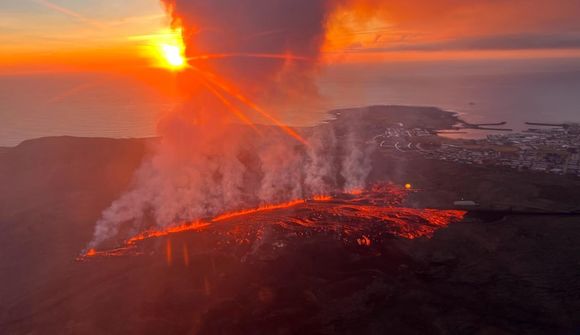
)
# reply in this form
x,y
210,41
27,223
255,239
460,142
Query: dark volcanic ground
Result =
x,y
252,275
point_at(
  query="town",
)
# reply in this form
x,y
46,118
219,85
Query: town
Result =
x,y
553,149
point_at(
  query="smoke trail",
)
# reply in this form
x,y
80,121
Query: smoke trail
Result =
x,y
356,164
205,164
320,168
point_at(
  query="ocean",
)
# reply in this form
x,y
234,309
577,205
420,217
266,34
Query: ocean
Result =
x,y
86,104
485,92
100,105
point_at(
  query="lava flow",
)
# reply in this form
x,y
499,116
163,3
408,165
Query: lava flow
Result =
x,y
358,217
257,210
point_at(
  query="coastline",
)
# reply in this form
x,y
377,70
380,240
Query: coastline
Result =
x,y
55,189
449,123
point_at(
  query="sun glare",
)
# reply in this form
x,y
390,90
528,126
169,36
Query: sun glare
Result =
x,y
171,51
173,55
166,49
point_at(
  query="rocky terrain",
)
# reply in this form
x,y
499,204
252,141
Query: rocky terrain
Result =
x,y
373,263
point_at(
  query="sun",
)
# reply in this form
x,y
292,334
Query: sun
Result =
x,y
165,49
173,56
170,50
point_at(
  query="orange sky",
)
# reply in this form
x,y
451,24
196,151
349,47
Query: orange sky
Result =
x,y
104,35
65,35
454,29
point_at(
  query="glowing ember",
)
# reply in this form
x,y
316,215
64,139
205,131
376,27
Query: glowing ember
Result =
x,y
355,192
364,241
408,186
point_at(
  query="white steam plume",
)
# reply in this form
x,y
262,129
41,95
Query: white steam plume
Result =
x,y
206,173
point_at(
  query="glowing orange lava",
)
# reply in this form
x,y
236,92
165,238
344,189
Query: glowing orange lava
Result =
x,y
355,192
256,210
193,226
368,211
364,241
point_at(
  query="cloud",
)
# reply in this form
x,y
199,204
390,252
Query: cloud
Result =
x,y
75,15
294,27
462,25
496,42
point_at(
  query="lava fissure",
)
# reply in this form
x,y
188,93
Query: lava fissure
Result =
x,y
373,213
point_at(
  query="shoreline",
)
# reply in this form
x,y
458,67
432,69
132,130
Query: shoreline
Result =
x,y
459,126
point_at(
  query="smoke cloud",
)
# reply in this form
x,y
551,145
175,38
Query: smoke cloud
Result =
x,y
258,27
263,51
